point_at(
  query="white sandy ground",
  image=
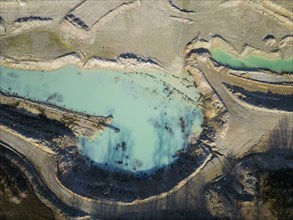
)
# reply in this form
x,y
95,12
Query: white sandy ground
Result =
x,y
152,31
247,127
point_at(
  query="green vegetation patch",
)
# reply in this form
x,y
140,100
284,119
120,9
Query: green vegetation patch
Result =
x,y
14,182
276,188
36,44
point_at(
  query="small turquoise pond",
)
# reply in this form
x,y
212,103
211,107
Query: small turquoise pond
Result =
x,y
155,119
252,61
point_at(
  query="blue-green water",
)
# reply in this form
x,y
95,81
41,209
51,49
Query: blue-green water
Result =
x,y
155,120
252,61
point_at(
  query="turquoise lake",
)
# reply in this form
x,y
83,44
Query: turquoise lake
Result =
x,y
155,119
252,61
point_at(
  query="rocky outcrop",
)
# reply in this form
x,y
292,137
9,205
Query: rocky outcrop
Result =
x,y
252,188
287,41
80,124
2,26
27,23
176,8
83,27
216,41
43,65
270,40
214,110
123,62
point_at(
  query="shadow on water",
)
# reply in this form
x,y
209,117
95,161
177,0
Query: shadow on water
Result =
x,y
95,182
171,140
171,133
120,148
164,134
118,154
